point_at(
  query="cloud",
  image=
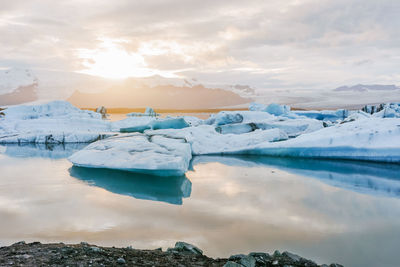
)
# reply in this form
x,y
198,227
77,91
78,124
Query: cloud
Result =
x,y
314,43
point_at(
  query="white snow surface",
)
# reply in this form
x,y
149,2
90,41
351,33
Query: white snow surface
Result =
x,y
155,155
372,139
54,122
205,140
11,79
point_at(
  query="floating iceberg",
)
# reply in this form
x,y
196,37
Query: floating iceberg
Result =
x,y
156,155
205,140
273,108
165,152
325,115
55,122
366,139
169,123
149,112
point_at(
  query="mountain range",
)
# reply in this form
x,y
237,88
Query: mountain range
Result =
x,y
24,85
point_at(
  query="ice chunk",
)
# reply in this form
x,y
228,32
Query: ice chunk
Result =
x,y
53,137
230,117
391,110
149,112
292,128
273,108
56,109
277,110
225,117
156,155
205,140
170,123
371,139
238,128
324,115
54,122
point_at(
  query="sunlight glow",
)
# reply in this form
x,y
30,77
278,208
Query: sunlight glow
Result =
x,y
111,60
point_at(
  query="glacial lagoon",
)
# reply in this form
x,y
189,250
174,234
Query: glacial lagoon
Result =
x,y
329,211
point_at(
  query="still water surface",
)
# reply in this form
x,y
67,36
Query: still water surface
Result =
x,y
329,211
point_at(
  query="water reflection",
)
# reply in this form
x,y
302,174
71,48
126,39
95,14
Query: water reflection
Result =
x,y
52,151
364,177
242,205
141,186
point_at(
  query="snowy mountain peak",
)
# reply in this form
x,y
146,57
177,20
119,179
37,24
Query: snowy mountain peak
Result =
x,y
364,88
11,79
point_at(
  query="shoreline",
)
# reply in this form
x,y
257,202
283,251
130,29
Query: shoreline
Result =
x,y
183,254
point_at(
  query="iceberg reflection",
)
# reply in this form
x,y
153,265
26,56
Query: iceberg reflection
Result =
x,y
363,177
140,186
52,151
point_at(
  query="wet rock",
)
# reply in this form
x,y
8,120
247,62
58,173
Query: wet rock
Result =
x,y
121,261
294,257
232,264
183,254
261,257
186,248
276,254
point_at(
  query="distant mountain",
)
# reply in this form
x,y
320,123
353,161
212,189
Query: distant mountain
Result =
x,y
17,86
20,95
134,94
22,85
364,88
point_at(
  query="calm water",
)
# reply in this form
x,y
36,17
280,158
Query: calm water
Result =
x,y
329,211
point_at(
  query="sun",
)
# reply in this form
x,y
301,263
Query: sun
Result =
x,y
111,60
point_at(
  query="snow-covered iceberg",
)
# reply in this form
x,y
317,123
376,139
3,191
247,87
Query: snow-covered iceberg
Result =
x,y
55,122
168,123
365,139
156,155
165,152
205,140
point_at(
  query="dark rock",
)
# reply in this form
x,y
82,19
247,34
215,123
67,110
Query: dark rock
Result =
x,y
186,248
232,264
121,261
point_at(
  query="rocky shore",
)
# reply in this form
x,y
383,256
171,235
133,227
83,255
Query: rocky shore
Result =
x,y
183,254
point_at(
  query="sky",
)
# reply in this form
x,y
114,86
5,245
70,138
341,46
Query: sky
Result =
x,y
265,44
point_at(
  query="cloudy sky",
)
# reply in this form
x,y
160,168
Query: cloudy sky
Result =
x,y
265,44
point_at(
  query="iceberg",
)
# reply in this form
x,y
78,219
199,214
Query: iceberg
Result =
x,y
165,152
389,110
55,122
149,112
169,123
140,186
273,108
365,139
205,140
155,155
325,115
